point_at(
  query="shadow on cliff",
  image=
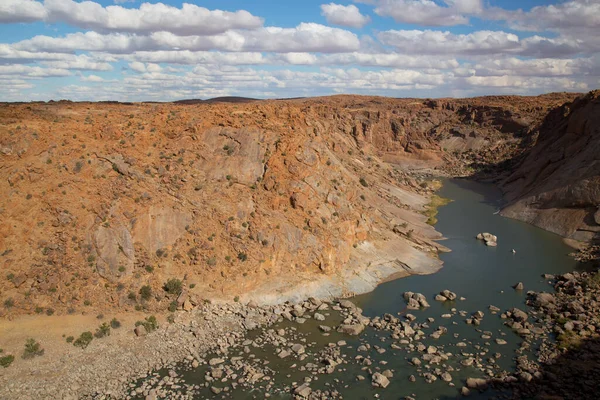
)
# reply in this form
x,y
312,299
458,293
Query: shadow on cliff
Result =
x,y
573,375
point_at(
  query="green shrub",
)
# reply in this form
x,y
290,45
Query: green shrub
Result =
x,y
115,323
32,349
173,306
363,182
102,331
150,324
6,360
173,286
242,256
70,339
9,303
84,340
145,292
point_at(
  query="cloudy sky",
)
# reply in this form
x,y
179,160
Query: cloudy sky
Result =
x,y
129,50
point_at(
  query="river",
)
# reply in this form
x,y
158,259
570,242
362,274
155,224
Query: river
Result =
x,y
483,275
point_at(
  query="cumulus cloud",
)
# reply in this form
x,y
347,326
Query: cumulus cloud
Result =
x,y
92,78
306,37
437,42
187,20
349,16
12,11
427,12
32,71
568,16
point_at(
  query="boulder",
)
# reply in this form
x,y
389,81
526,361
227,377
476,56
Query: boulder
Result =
x,y
303,390
351,329
477,383
379,380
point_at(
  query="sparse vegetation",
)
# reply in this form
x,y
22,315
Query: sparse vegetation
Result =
x,y
363,182
150,324
173,286
432,208
9,303
5,361
84,340
32,349
115,323
102,331
145,293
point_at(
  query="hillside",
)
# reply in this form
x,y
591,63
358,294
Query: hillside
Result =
x,y
557,185
266,200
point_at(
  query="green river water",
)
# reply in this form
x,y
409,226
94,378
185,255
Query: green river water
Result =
x,y
483,275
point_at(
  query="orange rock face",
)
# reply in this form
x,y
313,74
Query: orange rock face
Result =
x,y
98,200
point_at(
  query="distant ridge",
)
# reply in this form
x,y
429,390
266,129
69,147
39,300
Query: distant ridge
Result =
x,y
224,99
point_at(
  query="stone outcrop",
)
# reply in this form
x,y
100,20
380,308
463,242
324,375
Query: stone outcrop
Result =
x,y
557,185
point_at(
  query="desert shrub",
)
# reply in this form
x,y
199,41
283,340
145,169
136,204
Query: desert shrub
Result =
x,y
6,360
84,340
102,331
146,292
363,182
9,303
150,324
115,323
173,286
32,349
70,339
242,256
173,306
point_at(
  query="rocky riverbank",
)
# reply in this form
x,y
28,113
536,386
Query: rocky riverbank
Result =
x,y
567,363
106,367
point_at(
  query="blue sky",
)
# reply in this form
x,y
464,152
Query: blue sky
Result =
x,y
168,50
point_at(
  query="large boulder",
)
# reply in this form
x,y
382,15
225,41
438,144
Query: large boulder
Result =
x,y
351,329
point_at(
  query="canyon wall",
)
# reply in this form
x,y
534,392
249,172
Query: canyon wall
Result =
x,y
266,200
557,184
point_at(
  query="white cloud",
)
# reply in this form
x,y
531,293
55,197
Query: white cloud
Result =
x,y
568,16
437,42
350,16
137,66
92,78
187,20
186,57
427,12
306,37
12,11
32,71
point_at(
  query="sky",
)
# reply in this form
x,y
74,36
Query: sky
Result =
x,y
131,50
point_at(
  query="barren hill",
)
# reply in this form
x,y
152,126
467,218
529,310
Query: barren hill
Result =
x,y
264,200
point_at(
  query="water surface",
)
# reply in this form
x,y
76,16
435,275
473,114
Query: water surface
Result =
x,y
482,275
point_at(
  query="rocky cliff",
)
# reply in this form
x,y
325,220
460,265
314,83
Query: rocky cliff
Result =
x,y
102,203
557,184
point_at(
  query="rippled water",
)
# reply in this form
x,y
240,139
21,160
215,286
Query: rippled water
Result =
x,y
483,275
